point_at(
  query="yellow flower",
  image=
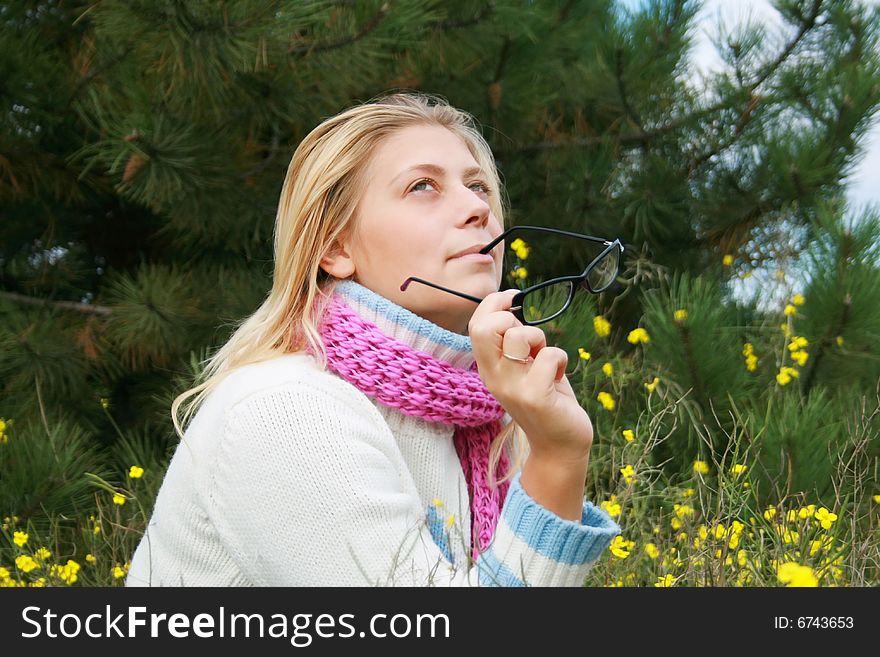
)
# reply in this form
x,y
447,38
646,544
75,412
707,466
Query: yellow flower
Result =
x,y
786,330
789,310
748,349
824,543
26,563
790,536
876,499
628,473
611,507
807,511
653,384
676,523
119,499
839,340
583,354
680,315
793,574
620,547
651,550
688,492
727,260
91,558
20,538
519,272
798,299
797,342
785,375
120,571
738,469
602,326
135,472
42,554
664,580
770,512
96,530
105,403
629,435
521,248
68,572
800,357
701,467
638,335
683,510
608,369
825,517
606,400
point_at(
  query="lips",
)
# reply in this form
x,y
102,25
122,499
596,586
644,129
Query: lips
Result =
x,y
476,248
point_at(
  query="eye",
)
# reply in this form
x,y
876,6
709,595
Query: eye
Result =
x,y
423,181
485,188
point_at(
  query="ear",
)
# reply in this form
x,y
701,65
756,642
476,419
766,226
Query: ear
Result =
x,y
338,262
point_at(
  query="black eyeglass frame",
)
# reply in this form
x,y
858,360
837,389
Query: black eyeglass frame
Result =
x,y
517,303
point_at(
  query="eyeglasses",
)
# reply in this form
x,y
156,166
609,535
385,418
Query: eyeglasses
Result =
x,y
547,300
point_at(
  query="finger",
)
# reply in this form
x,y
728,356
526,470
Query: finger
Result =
x,y
493,303
550,362
489,323
523,341
488,335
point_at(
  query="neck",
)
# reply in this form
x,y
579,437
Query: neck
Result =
x,y
404,325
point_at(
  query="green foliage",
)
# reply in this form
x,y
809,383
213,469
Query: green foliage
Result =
x,y
42,472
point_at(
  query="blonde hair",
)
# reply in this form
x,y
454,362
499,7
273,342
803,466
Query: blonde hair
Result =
x,y
325,180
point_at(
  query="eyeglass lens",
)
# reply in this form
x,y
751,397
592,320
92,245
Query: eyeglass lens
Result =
x,y
547,302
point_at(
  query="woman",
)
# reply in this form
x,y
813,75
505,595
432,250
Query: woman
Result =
x,y
352,433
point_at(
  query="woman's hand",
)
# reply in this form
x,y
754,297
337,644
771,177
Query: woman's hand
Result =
x,y
537,394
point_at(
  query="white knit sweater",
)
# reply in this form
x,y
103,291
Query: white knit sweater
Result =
x,y
290,476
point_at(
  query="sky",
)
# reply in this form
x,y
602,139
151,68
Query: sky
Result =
x,y
863,181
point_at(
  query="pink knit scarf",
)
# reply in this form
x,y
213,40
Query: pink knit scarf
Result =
x,y
418,384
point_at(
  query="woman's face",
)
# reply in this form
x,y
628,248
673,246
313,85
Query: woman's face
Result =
x,y
425,201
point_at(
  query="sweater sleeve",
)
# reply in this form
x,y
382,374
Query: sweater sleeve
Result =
x,y
308,488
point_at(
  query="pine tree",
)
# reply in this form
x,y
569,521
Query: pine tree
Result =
x,y
144,144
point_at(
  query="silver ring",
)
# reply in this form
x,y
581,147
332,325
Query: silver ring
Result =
x,y
518,360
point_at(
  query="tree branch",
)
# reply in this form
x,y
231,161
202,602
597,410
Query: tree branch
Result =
x,y
357,36
63,305
621,89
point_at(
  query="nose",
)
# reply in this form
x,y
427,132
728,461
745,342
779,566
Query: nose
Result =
x,y
476,209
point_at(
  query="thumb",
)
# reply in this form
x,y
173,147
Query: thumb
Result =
x,y
550,362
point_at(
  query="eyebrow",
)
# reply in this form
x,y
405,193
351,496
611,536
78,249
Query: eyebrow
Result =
x,y
436,170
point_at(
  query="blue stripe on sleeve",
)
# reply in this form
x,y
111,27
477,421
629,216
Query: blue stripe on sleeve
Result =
x,y
495,573
562,540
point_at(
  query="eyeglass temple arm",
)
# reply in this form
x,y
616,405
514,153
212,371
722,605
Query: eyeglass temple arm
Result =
x,y
543,229
439,287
